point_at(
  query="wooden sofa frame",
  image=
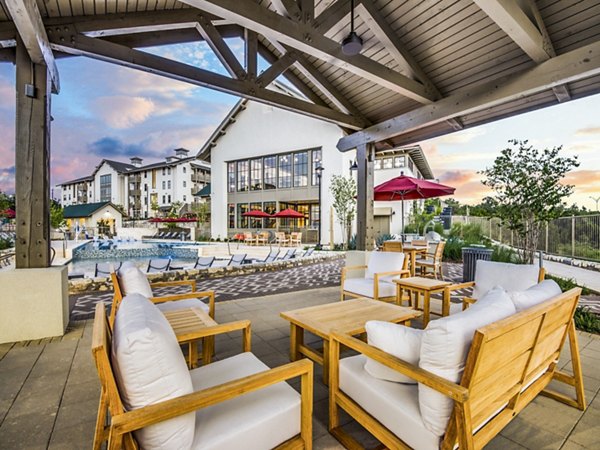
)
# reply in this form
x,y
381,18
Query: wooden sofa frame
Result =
x,y
123,423
405,272
509,363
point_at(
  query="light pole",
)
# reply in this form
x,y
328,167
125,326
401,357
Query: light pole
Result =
x,y
319,170
596,199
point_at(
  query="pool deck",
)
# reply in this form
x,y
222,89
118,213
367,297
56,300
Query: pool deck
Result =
x,y
49,391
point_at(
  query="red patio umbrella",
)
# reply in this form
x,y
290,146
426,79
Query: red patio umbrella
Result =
x,y
409,188
256,213
289,214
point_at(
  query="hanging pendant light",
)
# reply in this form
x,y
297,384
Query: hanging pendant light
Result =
x,y
352,44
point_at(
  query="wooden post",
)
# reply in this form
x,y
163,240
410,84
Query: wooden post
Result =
x,y
364,207
32,162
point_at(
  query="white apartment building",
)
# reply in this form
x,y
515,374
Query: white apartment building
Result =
x,y
143,190
265,158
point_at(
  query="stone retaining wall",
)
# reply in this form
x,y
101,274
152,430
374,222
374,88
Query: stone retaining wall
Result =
x,y
84,285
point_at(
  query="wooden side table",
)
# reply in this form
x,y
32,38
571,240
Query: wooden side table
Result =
x,y
421,286
412,251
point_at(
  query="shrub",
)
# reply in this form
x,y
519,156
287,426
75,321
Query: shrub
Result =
x,y
453,249
567,283
382,238
352,242
6,243
586,320
504,254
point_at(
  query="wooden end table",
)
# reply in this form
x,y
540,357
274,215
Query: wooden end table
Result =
x,y
421,286
185,323
412,251
348,317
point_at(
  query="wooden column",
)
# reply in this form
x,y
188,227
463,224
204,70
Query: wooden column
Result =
x,y
365,184
32,162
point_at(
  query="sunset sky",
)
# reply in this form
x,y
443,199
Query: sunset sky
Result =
x,y
107,111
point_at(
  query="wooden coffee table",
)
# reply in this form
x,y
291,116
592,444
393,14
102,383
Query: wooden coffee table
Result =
x,y
185,323
421,286
348,317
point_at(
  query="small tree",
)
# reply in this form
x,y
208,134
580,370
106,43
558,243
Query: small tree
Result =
x,y
528,191
202,211
57,219
344,203
154,206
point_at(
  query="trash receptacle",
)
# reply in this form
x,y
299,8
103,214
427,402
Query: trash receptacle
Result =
x,y
470,256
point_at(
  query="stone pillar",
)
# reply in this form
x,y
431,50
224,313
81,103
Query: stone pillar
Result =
x,y
365,183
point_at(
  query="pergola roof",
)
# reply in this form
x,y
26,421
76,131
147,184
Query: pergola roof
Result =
x,y
426,68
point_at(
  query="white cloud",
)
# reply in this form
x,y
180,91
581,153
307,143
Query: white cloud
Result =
x,y
119,111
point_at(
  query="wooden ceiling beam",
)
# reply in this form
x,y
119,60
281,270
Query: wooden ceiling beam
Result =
x,y
95,48
251,52
220,48
331,16
277,68
575,65
170,37
531,37
28,21
287,8
304,37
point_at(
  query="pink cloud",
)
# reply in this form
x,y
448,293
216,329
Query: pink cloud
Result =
x,y
119,111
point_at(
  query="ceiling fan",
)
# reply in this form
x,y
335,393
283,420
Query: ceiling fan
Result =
x,y
352,44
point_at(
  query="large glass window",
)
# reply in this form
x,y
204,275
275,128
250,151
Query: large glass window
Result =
x,y
105,188
270,208
231,215
254,221
231,177
316,162
270,172
377,164
400,161
242,176
256,174
303,209
300,169
387,163
241,209
285,171
315,216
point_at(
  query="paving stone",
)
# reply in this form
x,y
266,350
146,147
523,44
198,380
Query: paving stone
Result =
x,y
587,430
30,431
570,445
78,436
530,436
503,443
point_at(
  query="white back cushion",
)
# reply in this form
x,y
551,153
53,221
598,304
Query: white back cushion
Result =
x,y
134,281
514,277
384,262
397,340
150,368
535,295
444,348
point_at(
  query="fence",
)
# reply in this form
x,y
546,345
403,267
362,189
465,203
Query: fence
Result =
x,y
574,237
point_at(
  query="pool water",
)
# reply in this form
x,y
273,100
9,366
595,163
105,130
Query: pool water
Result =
x,y
87,266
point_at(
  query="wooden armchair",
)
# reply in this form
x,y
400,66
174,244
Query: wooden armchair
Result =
x,y
281,239
509,363
296,239
262,238
249,238
392,246
376,282
212,386
433,261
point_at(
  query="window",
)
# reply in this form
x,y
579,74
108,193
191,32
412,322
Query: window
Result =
x,y
145,188
184,169
256,174
400,161
169,170
387,163
145,174
377,164
184,198
169,184
184,183
163,171
270,171
105,188
300,169
231,177
164,185
231,214
242,176
256,222
164,200
411,166
315,216
316,162
169,198
285,171
270,208
145,200
241,209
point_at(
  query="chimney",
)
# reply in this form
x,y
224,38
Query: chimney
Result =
x,y
181,153
135,161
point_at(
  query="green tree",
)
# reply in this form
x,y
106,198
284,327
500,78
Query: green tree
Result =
x,y
57,219
154,206
527,190
6,201
202,211
344,203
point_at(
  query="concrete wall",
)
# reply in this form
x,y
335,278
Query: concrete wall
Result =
x,y
263,130
34,303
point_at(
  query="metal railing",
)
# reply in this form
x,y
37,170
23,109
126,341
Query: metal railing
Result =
x,y
574,237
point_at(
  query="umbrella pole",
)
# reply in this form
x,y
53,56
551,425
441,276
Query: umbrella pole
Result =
x,y
402,229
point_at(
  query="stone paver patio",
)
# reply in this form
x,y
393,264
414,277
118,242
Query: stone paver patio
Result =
x,y
49,390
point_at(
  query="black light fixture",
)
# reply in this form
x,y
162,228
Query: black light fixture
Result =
x,y
352,44
353,166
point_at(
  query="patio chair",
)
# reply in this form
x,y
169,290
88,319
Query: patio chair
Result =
x,y
308,252
105,269
475,373
272,256
237,260
160,235
433,261
416,242
158,265
392,246
281,239
377,280
262,238
296,239
203,262
288,255
237,402
248,238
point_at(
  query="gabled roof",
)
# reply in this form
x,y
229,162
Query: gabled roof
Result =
x,y
85,210
416,154
119,167
78,180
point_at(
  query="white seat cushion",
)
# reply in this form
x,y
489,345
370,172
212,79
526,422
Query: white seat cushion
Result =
x,y
384,262
181,304
150,368
395,405
513,277
364,287
259,420
444,348
397,340
133,281
535,295
435,306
